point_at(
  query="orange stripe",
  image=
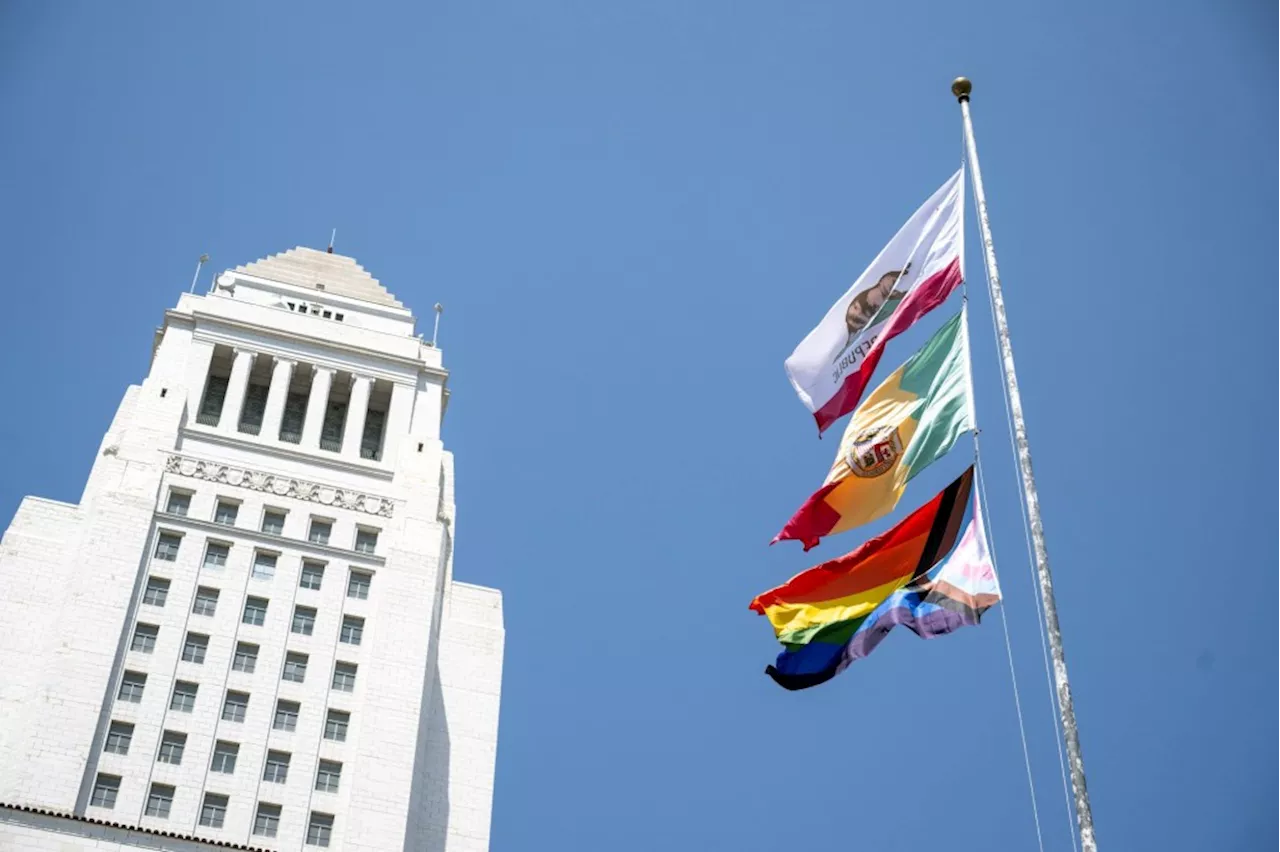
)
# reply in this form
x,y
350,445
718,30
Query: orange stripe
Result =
x,y
891,553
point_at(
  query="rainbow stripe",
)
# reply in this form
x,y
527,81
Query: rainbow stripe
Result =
x,y
837,612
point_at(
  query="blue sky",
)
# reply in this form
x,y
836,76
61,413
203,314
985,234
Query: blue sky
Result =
x,y
632,212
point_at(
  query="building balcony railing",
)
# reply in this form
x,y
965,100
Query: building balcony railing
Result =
x,y
208,418
371,453
250,428
290,437
331,445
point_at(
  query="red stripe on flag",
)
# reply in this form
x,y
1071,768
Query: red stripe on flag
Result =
x,y
811,521
924,297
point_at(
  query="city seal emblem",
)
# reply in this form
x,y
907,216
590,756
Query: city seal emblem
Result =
x,y
874,452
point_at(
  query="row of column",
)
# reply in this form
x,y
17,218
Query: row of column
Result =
x,y
317,402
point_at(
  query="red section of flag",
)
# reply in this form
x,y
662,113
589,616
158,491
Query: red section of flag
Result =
x,y
924,297
811,521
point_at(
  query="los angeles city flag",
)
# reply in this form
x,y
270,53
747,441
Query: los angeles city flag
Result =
x,y
913,418
911,276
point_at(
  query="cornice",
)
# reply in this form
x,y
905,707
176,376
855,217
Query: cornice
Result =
x,y
272,331
213,436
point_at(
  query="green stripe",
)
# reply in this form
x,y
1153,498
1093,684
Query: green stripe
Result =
x,y
939,373
835,633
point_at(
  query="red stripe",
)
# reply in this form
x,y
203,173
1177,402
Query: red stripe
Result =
x,y
926,296
811,521
916,527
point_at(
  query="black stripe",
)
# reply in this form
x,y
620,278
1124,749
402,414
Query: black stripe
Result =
x,y
804,681
946,523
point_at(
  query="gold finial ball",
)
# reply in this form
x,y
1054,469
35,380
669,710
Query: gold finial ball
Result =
x,y
961,88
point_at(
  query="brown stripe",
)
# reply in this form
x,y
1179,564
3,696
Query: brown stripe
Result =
x,y
946,523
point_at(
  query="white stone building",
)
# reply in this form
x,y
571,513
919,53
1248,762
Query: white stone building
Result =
x,y
247,630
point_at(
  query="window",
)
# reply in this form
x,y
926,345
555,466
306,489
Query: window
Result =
x,y
371,442
264,565
328,776
255,611
335,726
213,813
167,546
215,555
295,668
225,513
131,687
366,540
224,757
304,620
193,650
246,658
312,575
331,427
352,629
157,591
105,788
286,716
295,414
277,769
179,503
144,638
172,745
320,829
119,737
273,522
159,801
358,585
319,532
184,696
267,821
206,602
344,677
211,406
338,317
235,706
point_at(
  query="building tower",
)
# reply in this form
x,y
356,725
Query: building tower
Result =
x,y
247,630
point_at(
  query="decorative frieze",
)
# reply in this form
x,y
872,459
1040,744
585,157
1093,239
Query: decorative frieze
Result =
x,y
279,485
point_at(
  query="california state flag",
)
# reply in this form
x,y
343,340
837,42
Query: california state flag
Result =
x,y
911,276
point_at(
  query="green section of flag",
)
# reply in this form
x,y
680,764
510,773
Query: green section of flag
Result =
x,y
939,374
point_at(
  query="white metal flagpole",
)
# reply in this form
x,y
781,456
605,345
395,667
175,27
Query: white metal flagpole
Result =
x,y
961,88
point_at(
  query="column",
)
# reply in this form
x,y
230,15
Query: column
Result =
x,y
398,417
198,363
356,410
236,387
317,402
281,376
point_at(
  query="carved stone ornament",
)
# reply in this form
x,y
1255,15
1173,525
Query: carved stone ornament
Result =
x,y
280,486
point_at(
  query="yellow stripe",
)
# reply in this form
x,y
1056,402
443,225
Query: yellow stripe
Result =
x,y
787,618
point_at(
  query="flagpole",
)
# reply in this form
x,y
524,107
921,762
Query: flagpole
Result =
x,y
961,88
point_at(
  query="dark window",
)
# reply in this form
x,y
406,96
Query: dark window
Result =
x,y
167,545
352,629
335,725
105,789
193,650
159,801
358,585
119,737
255,611
157,591
235,706
213,813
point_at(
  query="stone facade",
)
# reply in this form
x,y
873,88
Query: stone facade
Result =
x,y
263,558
